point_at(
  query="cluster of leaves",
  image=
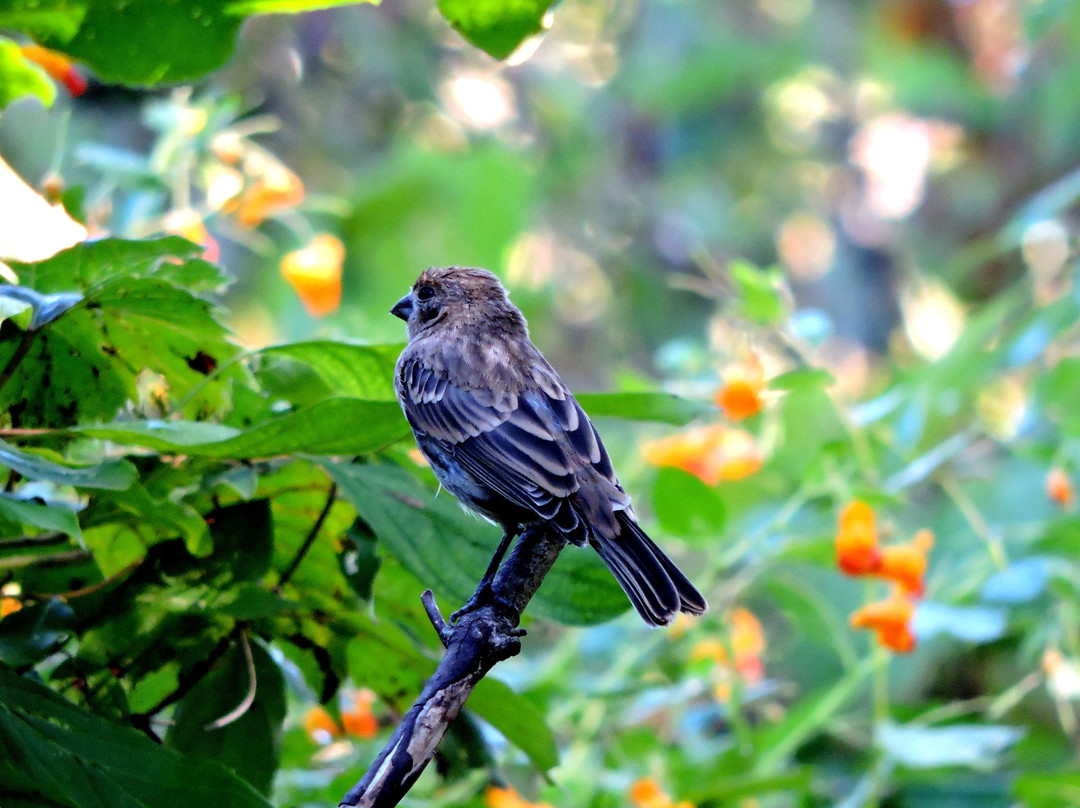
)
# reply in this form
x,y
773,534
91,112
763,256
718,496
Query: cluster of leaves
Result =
x,y
102,34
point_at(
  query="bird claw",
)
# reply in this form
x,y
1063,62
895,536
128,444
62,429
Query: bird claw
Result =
x,y
484,596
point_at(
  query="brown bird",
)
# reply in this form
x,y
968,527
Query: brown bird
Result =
x,y
505,436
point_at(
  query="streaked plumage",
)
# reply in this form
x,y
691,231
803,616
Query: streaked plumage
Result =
x,y
506,437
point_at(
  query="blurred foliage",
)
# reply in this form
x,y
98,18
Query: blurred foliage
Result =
x,y
822,253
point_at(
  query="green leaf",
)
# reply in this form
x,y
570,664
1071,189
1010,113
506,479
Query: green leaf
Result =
x,y
20,77
46,517
250,745
332,426
137,313
57,755
759,293
664,408
802,379
246,7
113,475
449,550
144,42
243,539
496,26
56,18
32,633
519,720
687,507
1040,790
347,368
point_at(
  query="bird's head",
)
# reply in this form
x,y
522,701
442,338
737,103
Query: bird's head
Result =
x,y
444,297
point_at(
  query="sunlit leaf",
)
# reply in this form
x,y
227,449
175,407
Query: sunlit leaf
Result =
x,y
517,718
332,426
662,407
448,550
496,26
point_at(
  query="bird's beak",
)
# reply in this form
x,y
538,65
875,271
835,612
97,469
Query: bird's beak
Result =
x,y
403,308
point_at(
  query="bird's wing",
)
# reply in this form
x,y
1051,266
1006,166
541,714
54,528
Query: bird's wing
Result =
x,y
532,447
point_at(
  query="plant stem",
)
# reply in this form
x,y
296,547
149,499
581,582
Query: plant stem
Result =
x,y
309,540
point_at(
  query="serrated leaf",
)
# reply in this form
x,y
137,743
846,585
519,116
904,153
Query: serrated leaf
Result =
x,y
496,26
448,550
136,314
200,38
55,754
332,426
250,745
664,408
348,369
114,475
519,720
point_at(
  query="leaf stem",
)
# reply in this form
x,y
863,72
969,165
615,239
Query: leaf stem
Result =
x,y
309,540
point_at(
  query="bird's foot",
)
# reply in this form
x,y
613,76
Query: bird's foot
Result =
x,y
485,596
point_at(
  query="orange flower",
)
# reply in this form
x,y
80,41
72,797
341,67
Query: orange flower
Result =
x,y
189,224
905,564
314,271
319,725
646,793
747,643
276,188
890,619
1060,488
711,453
58,66
496,797
740,397
360,721
857,540
9,606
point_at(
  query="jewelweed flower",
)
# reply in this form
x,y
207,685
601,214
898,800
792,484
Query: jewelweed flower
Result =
x,y
59,67
314,271
496,797
711,453
857,550
905,564
890,619
740,396
1060,489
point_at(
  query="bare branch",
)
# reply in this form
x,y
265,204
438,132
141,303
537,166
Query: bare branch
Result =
x,y
474,644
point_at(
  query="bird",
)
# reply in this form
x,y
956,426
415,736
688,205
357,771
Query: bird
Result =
x,y
504,435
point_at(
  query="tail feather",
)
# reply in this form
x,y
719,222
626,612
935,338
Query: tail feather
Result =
x,y
657,588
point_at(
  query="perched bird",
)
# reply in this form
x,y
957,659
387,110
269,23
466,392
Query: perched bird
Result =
x,y
505,436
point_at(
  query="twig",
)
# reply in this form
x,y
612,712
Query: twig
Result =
x,y
474,644
309,540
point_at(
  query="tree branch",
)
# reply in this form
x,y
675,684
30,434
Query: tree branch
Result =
x,y
474,644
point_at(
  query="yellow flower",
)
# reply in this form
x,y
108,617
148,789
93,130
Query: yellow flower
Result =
x,y
314,271
711,453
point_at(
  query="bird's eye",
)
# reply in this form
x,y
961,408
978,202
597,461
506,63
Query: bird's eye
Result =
x,y
425,293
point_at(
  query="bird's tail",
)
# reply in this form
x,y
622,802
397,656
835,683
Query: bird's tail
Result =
x,y
656,587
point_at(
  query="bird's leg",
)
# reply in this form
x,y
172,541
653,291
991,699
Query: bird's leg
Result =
x,y
484,593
